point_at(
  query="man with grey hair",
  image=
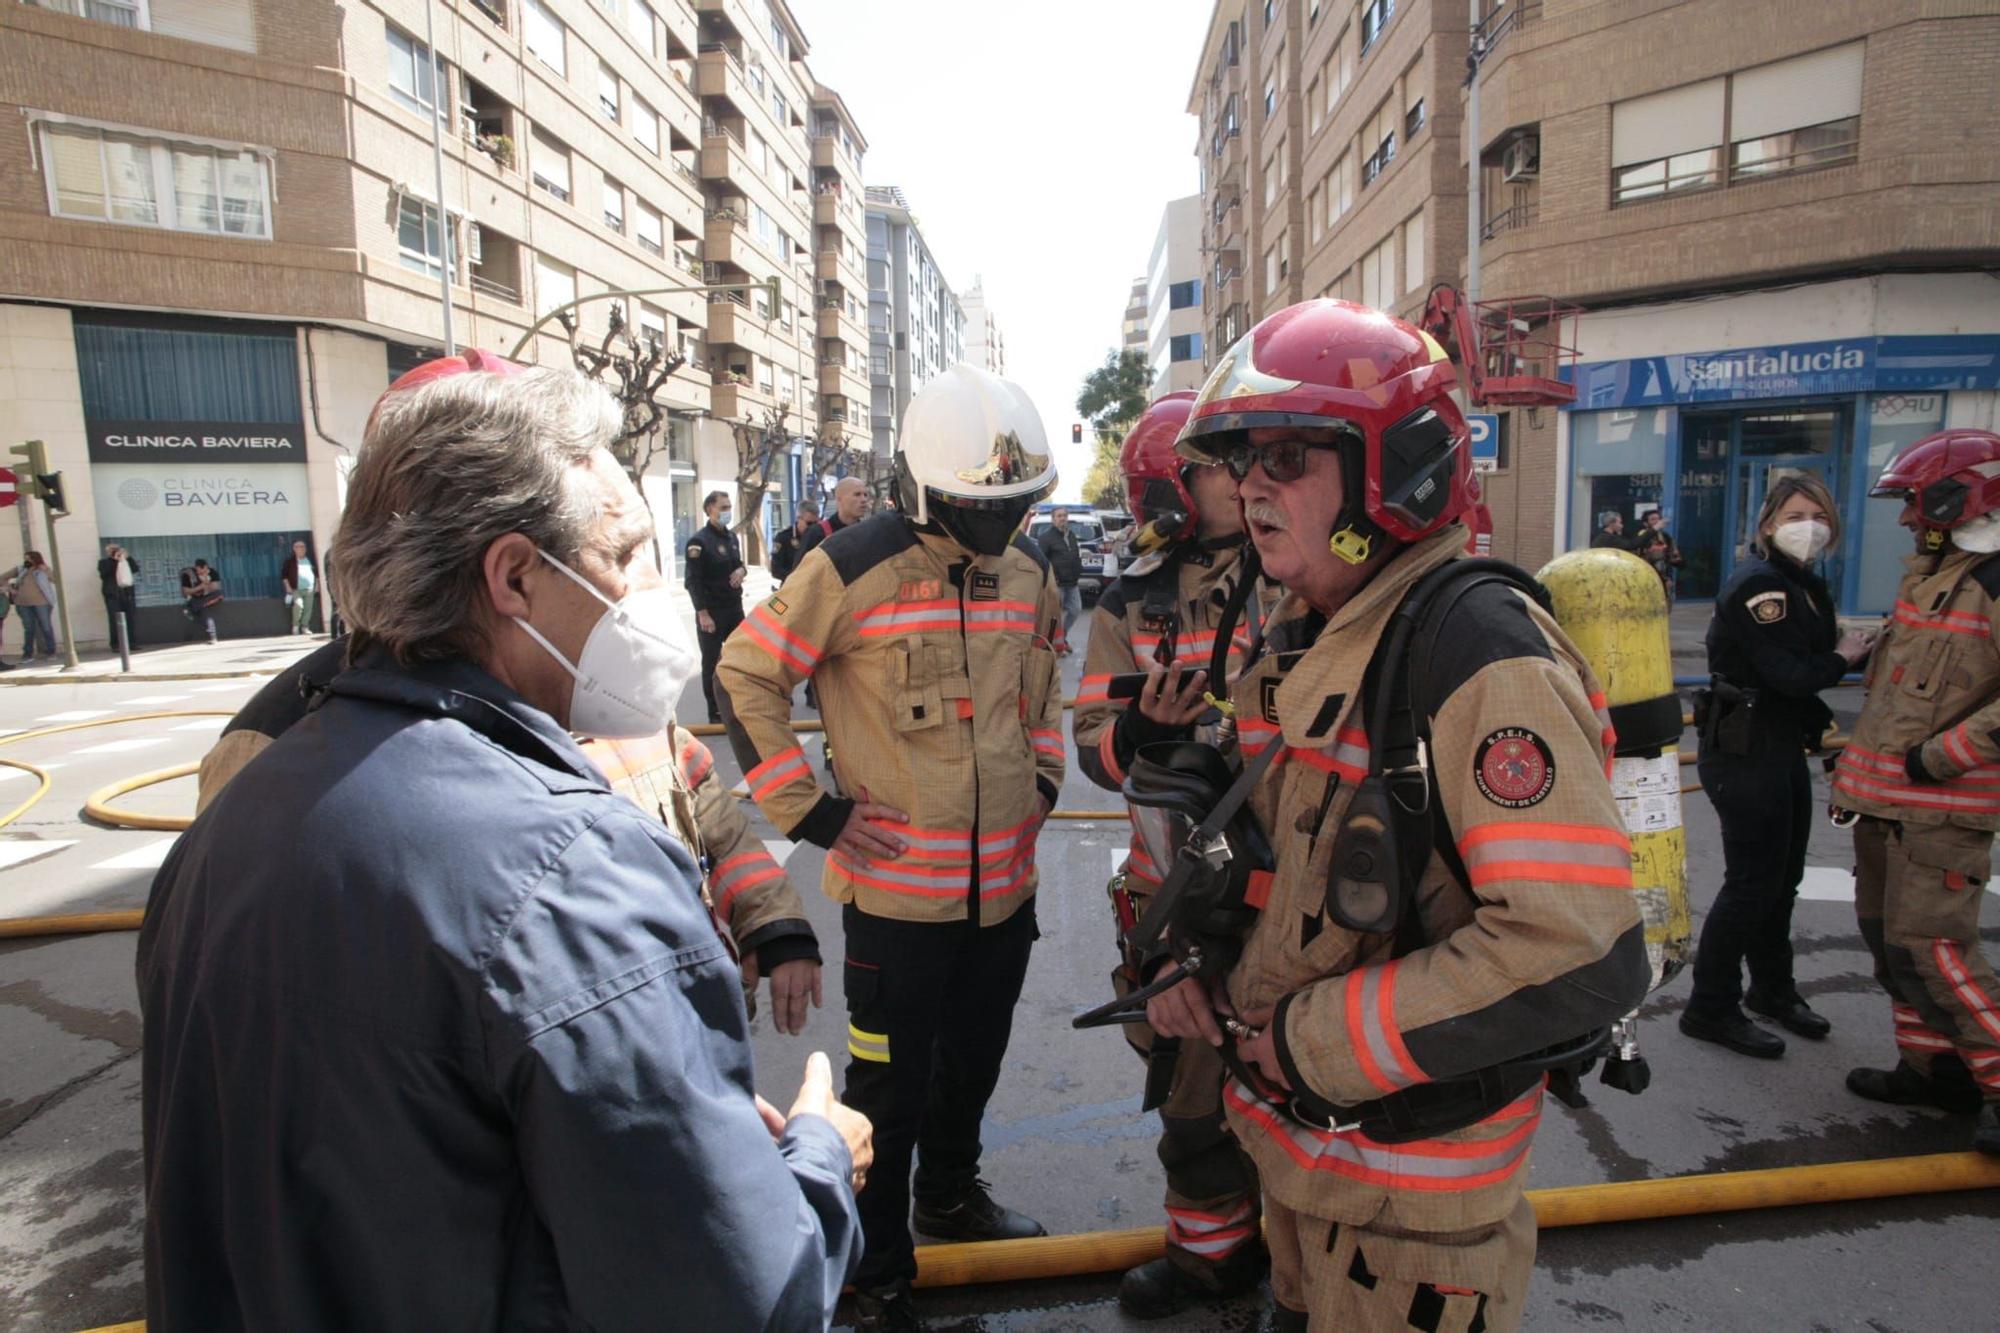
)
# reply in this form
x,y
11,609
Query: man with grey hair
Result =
x,y
481,1058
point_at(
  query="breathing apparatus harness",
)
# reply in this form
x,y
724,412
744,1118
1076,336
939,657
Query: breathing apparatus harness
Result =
x,y
1207,900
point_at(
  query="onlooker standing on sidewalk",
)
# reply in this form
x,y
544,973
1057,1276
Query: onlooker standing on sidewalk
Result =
x,y
301,588
35,595
202,587
1059,548
6,605
715,586
118,573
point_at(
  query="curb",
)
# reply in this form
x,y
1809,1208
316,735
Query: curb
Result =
x,y
136,677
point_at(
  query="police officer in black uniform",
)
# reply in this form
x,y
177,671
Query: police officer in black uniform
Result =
x,y
1773,645
715,586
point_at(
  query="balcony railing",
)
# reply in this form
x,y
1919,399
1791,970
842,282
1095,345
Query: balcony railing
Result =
x,y
488,287
1509,219
493,9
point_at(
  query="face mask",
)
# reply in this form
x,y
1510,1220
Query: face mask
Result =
x,y
1802,539
633,667
1979,535
723,516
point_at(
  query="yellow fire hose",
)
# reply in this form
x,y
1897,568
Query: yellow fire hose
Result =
x,y
1087,1252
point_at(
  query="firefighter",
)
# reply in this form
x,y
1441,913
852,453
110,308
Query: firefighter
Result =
x,y
1165,610
1773,645
1353,467
1921,782
850,506
929,633
715,586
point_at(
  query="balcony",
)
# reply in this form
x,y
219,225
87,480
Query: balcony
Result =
x,y
1513,218
835,322
731,323
826,150
721,236
831,209
833,266
718,72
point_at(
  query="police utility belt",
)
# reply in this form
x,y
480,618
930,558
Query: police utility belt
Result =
x,y
1193,819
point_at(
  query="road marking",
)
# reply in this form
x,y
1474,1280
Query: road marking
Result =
x,y
125,746
779,849
1117,858
150,700
147,857
225,685
1831,884
20,853
201,724
75,715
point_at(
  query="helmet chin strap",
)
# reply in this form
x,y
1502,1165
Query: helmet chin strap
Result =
x,y
1354,533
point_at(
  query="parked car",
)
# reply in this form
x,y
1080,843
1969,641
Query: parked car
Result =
x,y
1100,566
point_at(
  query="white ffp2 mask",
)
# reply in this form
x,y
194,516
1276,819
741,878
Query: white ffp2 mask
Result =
x,y
1802,539
633,666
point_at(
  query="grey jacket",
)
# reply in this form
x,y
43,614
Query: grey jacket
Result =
x,y
438,1035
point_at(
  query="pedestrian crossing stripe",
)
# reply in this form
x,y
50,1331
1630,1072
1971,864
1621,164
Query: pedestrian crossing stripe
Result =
x,y
868,1045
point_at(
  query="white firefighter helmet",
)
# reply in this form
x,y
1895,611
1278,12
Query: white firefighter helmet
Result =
x,y
974,458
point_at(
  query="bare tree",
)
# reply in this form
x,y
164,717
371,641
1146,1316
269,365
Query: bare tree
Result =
x,y
759,445
636,370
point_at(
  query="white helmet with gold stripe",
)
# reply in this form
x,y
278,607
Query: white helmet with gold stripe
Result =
x,y
974,458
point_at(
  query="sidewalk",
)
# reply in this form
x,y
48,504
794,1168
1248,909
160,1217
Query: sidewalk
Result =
x,y
189,661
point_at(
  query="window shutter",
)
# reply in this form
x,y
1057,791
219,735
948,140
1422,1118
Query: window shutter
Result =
x,y
1679,120
1792,94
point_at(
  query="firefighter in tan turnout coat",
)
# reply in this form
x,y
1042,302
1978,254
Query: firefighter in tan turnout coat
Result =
x,y
1922,778
1352,466
928,633
1165,610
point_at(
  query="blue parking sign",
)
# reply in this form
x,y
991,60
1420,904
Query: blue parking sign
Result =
x,y
1485,440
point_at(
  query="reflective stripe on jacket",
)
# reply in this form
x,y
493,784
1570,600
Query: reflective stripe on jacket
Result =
x,y
937,682
1519,746
1933,681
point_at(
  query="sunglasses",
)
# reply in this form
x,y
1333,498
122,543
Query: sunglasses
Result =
x,y
1282,460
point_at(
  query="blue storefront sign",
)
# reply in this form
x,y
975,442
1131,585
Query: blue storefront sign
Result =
x,y
1791,370
1485,427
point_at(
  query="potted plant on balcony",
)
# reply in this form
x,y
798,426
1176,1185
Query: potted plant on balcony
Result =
x,y
499,147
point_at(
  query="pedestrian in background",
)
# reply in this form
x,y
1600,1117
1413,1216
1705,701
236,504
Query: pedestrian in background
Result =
x,y
301,587
118,573
35,596
1773,645
1065,561
6,605
1610,531
790,544
715,586
202,587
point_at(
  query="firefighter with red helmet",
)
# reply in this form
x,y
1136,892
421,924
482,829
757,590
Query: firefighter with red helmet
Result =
x,y
1160,619
1920,780
1393,1003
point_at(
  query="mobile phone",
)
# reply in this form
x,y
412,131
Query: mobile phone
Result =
x,y
1131,683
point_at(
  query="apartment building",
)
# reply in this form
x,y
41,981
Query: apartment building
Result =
x,y
1174,325
226,235
916,327
985,346
1132,329
1778,222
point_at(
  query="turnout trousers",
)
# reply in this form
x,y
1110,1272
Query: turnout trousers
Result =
x,y
1372,1277
1764,804
930,1006
1917,893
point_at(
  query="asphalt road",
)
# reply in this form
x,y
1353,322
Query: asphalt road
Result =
x,y
1065,1139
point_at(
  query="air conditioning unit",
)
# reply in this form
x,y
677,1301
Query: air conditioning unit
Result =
x,y
1521,160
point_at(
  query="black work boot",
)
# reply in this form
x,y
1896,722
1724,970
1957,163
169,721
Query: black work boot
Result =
x,y
1161,1287
1986,1138
1904,1086
1734,1031
889,1309
1791,1012
973,1215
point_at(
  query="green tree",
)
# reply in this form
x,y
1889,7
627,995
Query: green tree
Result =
x,y
1112,398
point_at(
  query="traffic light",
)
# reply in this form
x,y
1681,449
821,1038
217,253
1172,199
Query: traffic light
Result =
x,y
50,486
37,455
1076,432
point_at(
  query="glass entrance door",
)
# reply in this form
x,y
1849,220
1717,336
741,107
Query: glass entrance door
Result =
x,y
1728,461
1707,454
1777,444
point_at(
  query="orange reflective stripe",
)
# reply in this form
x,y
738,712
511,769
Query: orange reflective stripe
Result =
x,y
1426,1165
1107,755
745,870
696,762
1357,1034
1586,834
768,633
1258,891
1945,954
1950,622
1046,741
1549,853
1960,748
1094,689
786,766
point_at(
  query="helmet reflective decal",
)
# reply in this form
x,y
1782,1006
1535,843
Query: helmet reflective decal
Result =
x,y
1237,376
1437,350
1008,463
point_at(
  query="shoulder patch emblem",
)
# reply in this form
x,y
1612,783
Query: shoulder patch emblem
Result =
x,y
694,550
1268,703
985,586
1513,767
1766,608
777,604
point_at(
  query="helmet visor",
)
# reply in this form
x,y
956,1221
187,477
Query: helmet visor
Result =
x,y
984,526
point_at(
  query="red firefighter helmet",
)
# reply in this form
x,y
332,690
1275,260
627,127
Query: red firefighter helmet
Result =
x,y
1951,477
1384,385
1155,491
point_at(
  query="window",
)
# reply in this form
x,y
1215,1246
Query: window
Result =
x,y
646,125
410,71
780,107
1378,275
1270,10
1182,295
1797,114
1315,220
119,13
1413,120
652,325
640,22
1271,270
607,92
1375,16
1184,347
1340,193
755,74
1270,96
766,381
1414,258
779,42
549,166
788,386
108,176
614,205
555,284
1312,13
1273,168
1669,141
419,243
1381,131
1315,109
648,228
545,35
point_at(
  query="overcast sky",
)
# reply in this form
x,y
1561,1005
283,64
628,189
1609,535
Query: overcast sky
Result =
x,y
1037,142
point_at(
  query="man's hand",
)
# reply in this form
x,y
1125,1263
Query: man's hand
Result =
x,y
816,1098
1185,1011
1262,1050
736,577
1172,707
862,838
1855,645
792,985
705,621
